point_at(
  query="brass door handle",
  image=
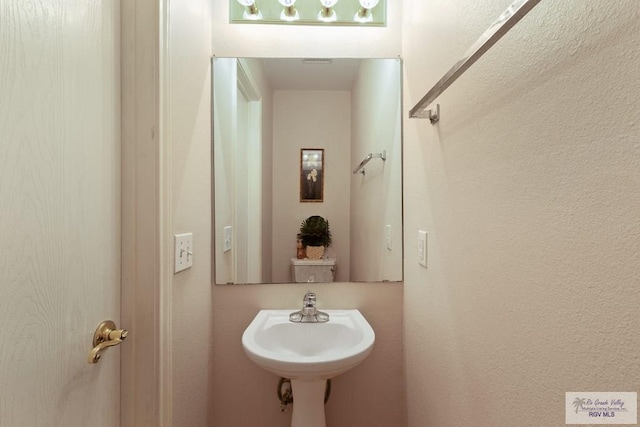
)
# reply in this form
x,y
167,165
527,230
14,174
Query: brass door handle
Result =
x,y
106,335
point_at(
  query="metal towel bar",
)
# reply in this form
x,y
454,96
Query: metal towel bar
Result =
x,y
510,17
370,156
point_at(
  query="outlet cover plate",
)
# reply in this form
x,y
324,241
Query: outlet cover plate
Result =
x,y
422,248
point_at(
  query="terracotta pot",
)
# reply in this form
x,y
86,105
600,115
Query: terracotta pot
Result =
x,y
315,252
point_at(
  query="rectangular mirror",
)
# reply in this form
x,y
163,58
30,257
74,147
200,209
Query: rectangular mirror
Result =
x,y
344,115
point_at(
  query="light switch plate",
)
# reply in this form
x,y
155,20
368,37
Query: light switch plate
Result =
x,y
183,252
422,248
228,239
387,234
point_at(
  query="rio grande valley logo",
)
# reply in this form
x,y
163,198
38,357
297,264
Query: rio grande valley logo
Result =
x,y
601,407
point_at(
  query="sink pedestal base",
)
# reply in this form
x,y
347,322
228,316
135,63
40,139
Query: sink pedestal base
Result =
x,y
308,403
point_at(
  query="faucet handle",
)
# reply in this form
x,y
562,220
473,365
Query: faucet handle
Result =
x,y
310,297
309,304
309,313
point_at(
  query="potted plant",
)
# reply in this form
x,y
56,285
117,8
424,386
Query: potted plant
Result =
x,y
315,236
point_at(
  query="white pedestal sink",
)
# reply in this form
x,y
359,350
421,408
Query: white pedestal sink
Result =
x,y
308,354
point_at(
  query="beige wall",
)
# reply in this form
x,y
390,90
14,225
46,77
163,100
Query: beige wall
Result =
x,y
190,173
310,119
528,187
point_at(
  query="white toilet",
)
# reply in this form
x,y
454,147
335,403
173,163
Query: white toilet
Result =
x,y
313,270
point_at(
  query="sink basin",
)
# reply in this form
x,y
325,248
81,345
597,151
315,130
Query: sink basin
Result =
x,y
308,351
308,354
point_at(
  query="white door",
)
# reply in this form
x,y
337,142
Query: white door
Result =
x,y
59,211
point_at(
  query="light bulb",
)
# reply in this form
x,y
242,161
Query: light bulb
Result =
x,y
363,16
369,4
251,13
327,15
252,16
328,3
289,13
290,16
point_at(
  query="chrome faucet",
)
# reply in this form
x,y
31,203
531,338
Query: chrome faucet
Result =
x,y
309,312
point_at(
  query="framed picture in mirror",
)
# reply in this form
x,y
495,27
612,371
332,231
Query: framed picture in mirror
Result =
x,y
311,175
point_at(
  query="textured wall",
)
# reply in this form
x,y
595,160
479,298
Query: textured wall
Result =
x,y
189,128
528,187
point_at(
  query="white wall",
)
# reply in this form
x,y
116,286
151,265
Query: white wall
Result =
x,y
189,131
528,187
376,196
310,119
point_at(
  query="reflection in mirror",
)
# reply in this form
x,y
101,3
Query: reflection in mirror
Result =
x,y
265,113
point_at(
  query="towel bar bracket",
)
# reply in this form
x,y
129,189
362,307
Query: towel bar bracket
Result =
x,y
370,156
434,117
432,114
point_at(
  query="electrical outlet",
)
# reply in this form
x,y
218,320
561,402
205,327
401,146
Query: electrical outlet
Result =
x,y
422,248
183,252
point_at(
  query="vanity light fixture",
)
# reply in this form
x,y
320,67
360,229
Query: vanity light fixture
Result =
x,y
317,61
327,14
289,13
364,15
251,12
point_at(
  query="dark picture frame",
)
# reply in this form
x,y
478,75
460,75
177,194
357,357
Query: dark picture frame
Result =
x,y
312,175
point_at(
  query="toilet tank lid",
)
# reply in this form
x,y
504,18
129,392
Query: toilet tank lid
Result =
x,y
306,261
